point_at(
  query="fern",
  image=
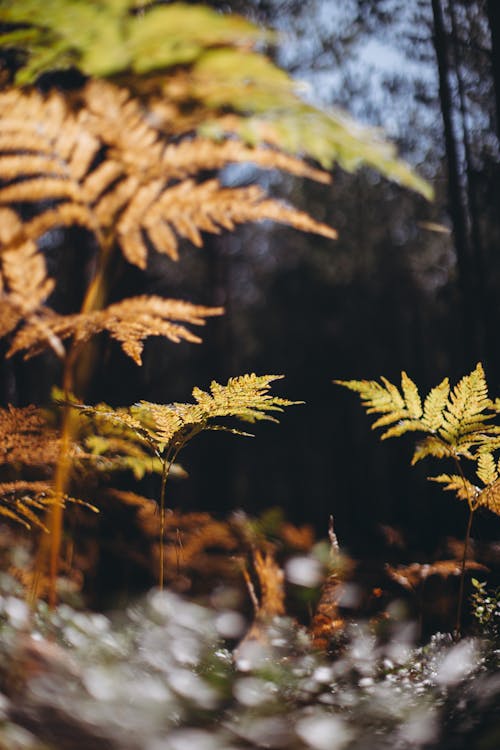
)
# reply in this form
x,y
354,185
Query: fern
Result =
x,y
207,61
457,424
125,156
167,428
130,322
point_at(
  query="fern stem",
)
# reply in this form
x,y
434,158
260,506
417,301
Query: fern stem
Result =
x,y
167,465
50,546
462,573
458,623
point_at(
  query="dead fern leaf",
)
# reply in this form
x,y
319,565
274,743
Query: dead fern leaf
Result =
x,y
21,501
26,439
187,209
129,322
98,162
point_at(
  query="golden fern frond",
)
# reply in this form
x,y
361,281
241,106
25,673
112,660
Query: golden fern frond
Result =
x,y
403,408
467,412
490,497
170,426
432,445
464,489
21,501
434,406
457,422
188,208
245,398
486,468
129,322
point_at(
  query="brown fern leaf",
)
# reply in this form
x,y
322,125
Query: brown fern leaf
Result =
x,y
188,209
20,500
99,161
26,439
24,285
130,322
45,152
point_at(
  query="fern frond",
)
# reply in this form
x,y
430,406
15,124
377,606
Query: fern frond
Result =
x,y
222,73
24,285
467,412
434,406
486,468
188,208
129,322
432,445
26,439
490,497
99,163
403,408
170,426
20,500
119,121
106,38
463,489
122,453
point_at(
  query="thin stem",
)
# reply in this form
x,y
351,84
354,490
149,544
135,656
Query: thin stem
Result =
x,y
50,546
458,623
462,573
167,465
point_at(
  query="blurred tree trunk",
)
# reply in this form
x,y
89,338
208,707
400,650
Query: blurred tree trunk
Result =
x,y
494,21
459,208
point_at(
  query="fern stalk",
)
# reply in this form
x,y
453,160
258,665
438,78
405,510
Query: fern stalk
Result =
x,y
460,602
50,546
167,465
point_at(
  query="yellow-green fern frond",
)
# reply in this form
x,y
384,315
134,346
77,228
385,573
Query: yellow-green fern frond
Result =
x,y
463,489
167,427
431,445
467,414
458,423
107,454
403,408
434,406
487,470
490,497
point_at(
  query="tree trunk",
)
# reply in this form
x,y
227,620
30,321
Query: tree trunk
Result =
x,y
458,205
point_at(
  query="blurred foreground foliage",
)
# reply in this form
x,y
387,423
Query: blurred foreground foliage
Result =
x,y
162,675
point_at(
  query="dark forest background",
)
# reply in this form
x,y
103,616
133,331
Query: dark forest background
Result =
x,y
408,285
